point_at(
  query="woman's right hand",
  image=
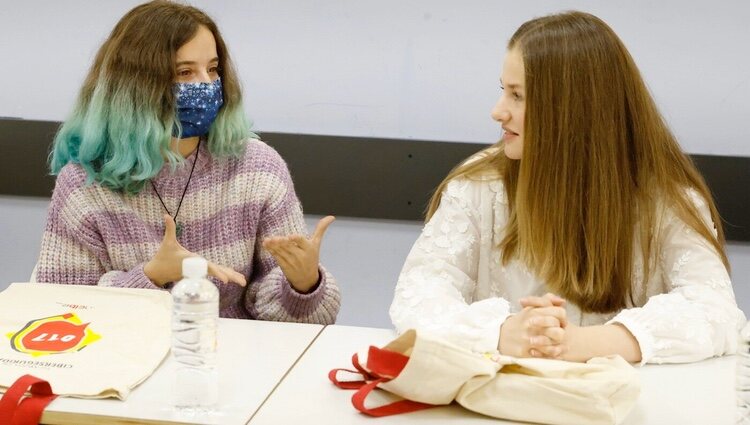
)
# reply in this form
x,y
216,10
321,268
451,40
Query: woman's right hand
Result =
x,y
166,265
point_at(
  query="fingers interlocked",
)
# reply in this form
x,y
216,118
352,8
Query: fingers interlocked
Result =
x,y
546,325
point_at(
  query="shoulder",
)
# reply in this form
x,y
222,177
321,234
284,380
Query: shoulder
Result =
x,y
76,197
260,157
71,176
698,201
72,184
677,217
259,171
688,196
481,199
75,185
476,190
259,151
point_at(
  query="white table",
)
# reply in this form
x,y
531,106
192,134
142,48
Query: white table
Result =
x,y
699,393
253,357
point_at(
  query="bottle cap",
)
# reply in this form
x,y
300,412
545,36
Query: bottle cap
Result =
x,y
194,267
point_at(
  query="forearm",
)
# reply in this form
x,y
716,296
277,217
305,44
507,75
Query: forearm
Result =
x,y
587,342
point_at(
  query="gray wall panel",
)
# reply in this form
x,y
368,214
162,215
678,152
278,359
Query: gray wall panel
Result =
x,y
358,177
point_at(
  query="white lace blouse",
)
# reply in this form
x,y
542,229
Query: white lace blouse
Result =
x,y
454,284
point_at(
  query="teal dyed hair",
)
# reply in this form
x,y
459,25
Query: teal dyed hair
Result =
x,y
121,126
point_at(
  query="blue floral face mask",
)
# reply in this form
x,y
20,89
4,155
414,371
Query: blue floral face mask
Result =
x,y
197,106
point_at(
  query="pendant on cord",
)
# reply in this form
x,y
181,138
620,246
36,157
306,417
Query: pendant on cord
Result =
x,y
178,225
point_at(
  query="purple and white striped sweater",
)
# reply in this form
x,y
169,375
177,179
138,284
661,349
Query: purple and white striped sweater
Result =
x,y
95,236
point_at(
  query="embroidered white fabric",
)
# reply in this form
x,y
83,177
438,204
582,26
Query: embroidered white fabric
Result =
x,y
454,285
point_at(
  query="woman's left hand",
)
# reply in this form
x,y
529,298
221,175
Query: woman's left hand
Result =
x,y
299,256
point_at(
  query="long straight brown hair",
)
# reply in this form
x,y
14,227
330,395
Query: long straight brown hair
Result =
x,y
599,166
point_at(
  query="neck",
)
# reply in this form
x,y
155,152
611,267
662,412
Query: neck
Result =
x,y
184,147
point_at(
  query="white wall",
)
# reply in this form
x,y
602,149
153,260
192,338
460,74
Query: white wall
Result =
x,y
418,69
421,69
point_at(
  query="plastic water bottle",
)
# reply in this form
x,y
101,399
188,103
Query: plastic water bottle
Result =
x,y
742,386
195,314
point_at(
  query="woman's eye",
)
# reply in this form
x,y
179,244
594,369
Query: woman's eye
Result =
x,y
516,96
183,72
214,70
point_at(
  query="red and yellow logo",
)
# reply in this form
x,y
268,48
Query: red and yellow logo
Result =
x,y
64,333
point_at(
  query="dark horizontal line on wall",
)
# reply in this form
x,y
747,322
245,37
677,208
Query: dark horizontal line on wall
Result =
x,y
356,176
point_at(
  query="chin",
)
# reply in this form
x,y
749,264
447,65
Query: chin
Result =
x,y
513,151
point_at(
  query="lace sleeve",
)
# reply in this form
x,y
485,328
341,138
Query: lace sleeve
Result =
x,y
699,317
435,289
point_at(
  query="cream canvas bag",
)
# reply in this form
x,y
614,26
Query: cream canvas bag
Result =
x,y
86,341
423,371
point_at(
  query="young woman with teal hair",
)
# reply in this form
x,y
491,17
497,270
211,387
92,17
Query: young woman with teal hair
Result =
x,y
157,163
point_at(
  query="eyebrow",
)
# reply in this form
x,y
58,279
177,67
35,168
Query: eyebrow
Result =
x,y
511,86
216,59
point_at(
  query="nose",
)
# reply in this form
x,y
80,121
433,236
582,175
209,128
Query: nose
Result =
x,y
500,112
204,77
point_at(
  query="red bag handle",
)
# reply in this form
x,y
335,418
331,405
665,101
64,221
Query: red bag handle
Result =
x,y
394,408
15,409
383,366
351,385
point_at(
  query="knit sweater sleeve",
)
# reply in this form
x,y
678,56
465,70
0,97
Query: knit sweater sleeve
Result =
x,y
270,296
72,249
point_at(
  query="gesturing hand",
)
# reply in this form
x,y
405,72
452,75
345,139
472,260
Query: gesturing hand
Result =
x,y
537,331
166,265
298,256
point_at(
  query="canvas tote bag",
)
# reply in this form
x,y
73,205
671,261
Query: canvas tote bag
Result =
x,y
86,341
422,371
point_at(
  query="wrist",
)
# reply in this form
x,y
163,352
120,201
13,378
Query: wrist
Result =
x,y
311,284
587,342
504,343
577,341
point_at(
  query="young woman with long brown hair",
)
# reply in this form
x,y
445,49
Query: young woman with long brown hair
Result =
x,y
157,163
585,231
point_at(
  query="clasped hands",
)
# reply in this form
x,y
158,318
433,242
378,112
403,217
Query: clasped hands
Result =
x,y
297,256
540,329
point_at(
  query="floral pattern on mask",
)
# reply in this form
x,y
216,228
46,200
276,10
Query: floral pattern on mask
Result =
x,y
197,106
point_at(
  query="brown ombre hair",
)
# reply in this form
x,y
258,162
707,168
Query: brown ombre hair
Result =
x,y
599,167
123,121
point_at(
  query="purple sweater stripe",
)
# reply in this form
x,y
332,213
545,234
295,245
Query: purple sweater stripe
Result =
x,y
201,234
212,172
231,205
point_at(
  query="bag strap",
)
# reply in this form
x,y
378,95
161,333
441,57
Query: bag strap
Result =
x,y
394,408
16,409
351,385
383,365
346,385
